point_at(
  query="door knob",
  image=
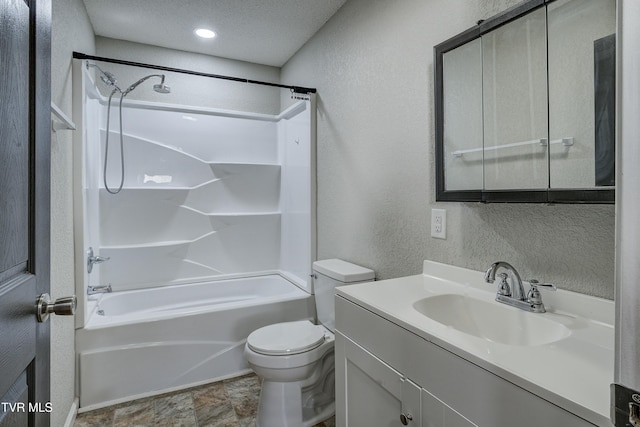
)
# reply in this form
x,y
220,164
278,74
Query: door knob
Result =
x,y
634,414
405,418
62,306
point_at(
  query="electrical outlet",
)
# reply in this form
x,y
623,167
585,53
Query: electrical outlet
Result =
x,y
439,223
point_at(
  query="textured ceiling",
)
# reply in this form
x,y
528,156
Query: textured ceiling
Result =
x,y
262,31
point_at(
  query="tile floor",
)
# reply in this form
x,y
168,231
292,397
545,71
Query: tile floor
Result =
x,y
228,403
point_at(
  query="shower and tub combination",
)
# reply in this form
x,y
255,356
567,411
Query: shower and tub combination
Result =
x,y
201,224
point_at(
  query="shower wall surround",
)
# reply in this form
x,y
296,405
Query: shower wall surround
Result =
x,y
201,199
207,193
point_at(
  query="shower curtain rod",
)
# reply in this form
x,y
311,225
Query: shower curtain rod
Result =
x,y
296,89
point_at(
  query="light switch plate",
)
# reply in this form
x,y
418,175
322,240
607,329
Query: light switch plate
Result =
x,y
439,223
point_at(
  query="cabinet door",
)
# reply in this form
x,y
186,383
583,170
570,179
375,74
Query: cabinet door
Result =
x,y
436,413
371,393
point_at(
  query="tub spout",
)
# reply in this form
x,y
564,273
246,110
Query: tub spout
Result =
x,y
91,290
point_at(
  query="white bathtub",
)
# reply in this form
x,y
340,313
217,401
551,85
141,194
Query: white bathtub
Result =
x,y
161,339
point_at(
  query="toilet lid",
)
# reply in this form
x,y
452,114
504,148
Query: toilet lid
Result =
x,y
286,338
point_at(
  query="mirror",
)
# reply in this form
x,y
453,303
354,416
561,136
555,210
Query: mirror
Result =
x,y
525,106
514,70
582,92
463,116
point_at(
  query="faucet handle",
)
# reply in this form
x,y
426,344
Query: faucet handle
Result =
x,y
503,287
534,296
548,286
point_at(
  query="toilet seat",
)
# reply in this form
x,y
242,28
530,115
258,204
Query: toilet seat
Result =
x,y
283,339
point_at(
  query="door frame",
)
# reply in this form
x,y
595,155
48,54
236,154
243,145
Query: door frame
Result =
x,y
40,221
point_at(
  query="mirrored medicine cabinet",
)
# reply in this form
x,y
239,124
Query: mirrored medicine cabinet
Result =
x,y
525,106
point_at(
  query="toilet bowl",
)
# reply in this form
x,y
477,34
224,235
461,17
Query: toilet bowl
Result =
x,y
290,371
296,359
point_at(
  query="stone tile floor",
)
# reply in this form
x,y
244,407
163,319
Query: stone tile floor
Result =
x,y
228,403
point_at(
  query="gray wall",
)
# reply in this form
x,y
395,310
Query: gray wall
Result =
x,y
373,66
71,31
188,89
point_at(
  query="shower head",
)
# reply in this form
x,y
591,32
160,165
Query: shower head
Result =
x,y
107,78
162,88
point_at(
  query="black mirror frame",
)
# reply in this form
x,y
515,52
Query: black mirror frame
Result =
x,y
549,195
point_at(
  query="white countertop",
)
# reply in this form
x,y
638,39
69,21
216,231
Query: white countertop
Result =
x,y
574,373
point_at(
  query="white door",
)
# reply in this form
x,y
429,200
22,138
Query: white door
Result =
x,y
436,413
371,393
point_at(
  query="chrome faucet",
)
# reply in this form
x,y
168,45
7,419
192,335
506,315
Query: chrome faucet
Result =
x,y
92,290
511,290
516,290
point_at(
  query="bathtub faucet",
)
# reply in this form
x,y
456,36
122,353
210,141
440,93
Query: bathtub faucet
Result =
x,y
91,290
91,260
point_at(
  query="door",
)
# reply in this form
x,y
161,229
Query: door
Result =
x,y
625,396
25,97
371,393
435,413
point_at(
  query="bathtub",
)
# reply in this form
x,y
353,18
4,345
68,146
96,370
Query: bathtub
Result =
x,y
145,342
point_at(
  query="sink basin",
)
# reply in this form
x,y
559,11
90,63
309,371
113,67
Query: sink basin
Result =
x,y
491,321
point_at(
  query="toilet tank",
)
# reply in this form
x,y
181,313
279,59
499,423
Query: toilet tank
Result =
x,y
330,273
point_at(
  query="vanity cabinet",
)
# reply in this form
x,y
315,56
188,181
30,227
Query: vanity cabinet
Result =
x,y
384,371
378,395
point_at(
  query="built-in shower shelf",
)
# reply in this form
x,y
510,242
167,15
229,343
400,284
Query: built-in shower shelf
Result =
x,y
149,145
160,188
231,164
233,214
160,244
232,219
222,170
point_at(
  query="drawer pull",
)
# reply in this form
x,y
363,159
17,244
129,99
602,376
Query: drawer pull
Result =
x,y
405,418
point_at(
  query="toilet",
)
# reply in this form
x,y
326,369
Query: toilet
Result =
x,y
295,359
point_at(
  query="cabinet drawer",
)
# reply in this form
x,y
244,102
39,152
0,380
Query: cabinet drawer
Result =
x,y
377,335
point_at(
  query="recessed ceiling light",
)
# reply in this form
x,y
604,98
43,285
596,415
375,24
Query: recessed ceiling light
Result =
x,y
204,33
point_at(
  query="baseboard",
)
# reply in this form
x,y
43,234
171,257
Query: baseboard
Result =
x,y
73,411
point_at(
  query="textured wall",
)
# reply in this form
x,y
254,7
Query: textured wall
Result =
x,y
188,89
373,66
71,31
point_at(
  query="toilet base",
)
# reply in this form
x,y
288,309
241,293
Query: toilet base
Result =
x,y
298,390
287,405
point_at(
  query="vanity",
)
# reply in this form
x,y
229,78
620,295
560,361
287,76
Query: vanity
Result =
x,y
437,350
